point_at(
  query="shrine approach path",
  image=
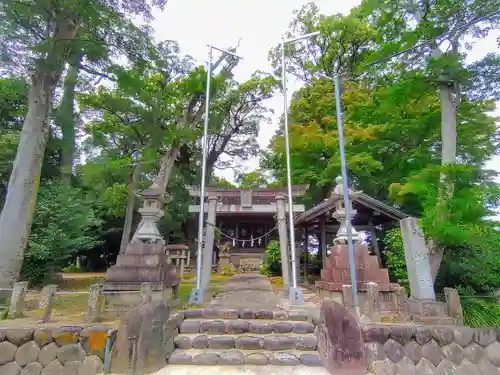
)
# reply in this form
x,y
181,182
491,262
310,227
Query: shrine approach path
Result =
x,y
247,291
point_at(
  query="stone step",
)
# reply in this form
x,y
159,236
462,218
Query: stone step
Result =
x,y
238,326
208,357
276,342
215,313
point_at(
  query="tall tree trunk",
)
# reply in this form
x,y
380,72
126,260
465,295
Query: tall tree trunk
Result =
x,y
448,124
129,215
18,211
167,163
20,203
448,156
67,119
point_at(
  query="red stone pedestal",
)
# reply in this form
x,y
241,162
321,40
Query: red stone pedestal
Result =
x,y
336,274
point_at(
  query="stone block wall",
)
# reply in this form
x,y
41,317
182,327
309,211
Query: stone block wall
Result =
x,y
404,349
65,350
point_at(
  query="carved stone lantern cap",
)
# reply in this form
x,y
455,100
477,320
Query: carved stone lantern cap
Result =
x,y
156,192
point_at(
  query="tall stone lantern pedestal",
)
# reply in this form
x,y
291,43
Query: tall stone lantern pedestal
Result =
x,y
145,259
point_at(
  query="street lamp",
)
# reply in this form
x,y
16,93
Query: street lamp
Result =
x,y
347,206
295,297
196,296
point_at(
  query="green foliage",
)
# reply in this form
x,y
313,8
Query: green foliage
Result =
x,y
395,257
227,271
72,268
479,311
4,314
271,266
254,179
65,224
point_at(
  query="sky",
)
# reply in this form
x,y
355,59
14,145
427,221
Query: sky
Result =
x,y
259,24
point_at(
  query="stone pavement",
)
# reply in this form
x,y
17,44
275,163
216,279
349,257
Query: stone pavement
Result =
x,y
248,291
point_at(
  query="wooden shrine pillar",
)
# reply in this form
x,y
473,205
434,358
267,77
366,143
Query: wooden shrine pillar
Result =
x,y
323,246
373,236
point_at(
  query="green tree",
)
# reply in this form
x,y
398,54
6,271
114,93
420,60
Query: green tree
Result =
x,y
65,224
399,125
440,27
36,36
254,179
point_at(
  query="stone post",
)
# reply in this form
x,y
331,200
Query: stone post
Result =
x,y
224,261
373,298
348,298
17,299
46,299
454,305
417,260
402,300
96,302
208,249
283,236
146,293
183,261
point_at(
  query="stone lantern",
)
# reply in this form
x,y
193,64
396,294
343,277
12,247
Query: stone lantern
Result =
x,y
340,215
151,212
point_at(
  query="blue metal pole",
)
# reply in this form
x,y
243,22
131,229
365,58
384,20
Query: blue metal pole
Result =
x,y
350,242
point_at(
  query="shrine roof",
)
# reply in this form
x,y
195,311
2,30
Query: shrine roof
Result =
x,y
358,198
232,196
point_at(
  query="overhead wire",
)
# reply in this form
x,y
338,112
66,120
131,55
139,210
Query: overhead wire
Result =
x,y
430,40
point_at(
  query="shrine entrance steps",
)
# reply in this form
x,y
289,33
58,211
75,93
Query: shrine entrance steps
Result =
x,y
246,325
213,337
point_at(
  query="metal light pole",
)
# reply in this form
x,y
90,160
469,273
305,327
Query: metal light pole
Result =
x,y
343,167
295,296
196,296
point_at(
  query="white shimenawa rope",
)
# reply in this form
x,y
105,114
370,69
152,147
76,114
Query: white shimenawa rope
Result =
x,y
251,241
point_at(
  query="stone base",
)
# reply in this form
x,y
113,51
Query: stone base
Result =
x,y
429,312
136,286
426,308
141,262
387,295
119,304
224,262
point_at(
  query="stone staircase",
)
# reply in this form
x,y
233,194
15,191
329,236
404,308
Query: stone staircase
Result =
x,y
245,337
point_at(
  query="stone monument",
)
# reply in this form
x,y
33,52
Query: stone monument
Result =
x,y
422,305
143,343
145,258
340,340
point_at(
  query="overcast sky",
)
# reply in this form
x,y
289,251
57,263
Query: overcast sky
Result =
x,y
259,24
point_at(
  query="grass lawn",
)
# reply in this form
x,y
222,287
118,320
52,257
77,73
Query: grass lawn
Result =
x,y
276,281
189,283
73,308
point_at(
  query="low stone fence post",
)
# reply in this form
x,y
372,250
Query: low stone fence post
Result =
x,y
146,293
17,299
96,302
46,301
402,296
454,305
373,297
348,298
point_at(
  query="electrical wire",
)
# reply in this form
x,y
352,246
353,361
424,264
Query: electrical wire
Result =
x,y
430,40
